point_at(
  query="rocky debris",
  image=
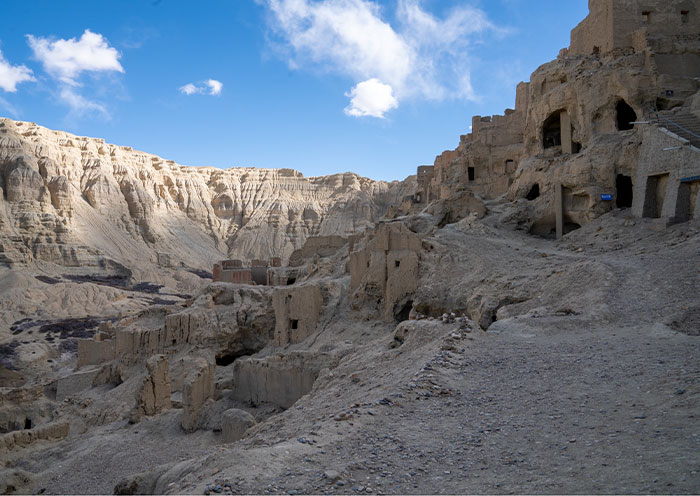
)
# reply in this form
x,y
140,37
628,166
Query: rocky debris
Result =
x,y
234,423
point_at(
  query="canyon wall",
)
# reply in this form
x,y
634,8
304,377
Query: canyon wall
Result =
x,y
79,201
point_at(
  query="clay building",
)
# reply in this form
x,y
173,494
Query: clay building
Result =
x,y
234,271
574,146
383,269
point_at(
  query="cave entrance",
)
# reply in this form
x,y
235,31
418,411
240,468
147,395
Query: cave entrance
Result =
x,y
226,358
471,173
28,423
402,312
534,192
624,190
291,280
551,131
625,116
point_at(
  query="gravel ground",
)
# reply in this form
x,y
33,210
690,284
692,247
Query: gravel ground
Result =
x,y
588,383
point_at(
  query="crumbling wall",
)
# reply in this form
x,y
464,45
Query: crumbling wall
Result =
x,y
278,379
20,439
75,383
229,319
198,388
384,269
93,352
297,312
486,159
612,24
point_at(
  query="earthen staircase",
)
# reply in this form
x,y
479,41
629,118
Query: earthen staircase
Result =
x,y
683,124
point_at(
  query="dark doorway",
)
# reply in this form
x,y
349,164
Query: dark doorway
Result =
x,y
625,116
624,191
293,324
291,281
551,131
470,173
28,423
533,193
654,196
401,313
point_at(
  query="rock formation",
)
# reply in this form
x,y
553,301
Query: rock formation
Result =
x,y
75,201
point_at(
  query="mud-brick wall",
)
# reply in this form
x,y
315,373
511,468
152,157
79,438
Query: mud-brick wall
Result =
x,y
297,312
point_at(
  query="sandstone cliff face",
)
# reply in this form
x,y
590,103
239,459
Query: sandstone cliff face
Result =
x,y
76,201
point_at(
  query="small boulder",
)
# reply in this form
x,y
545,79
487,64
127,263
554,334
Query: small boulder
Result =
x,y
234,423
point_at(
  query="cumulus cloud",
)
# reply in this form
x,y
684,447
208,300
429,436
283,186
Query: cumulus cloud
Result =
x,y
208,87
420,56
370,98
67,59
12,75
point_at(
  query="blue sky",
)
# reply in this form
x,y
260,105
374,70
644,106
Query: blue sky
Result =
x,y
321,86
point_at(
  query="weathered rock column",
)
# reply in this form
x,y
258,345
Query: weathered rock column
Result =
x,y
559,209
154,396
197,389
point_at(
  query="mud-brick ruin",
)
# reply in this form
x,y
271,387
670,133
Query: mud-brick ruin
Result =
x,y
614,122
234,271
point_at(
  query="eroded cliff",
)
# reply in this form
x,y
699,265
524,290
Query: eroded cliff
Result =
x,y
78,201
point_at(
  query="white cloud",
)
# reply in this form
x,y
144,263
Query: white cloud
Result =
x,y
12,75
67,59
214,87
421,56
209,87
189,89
371,98
80,105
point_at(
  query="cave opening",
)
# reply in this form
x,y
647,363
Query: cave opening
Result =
x,y
27,423
402,312
226,358
551,131
626,116
534,192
